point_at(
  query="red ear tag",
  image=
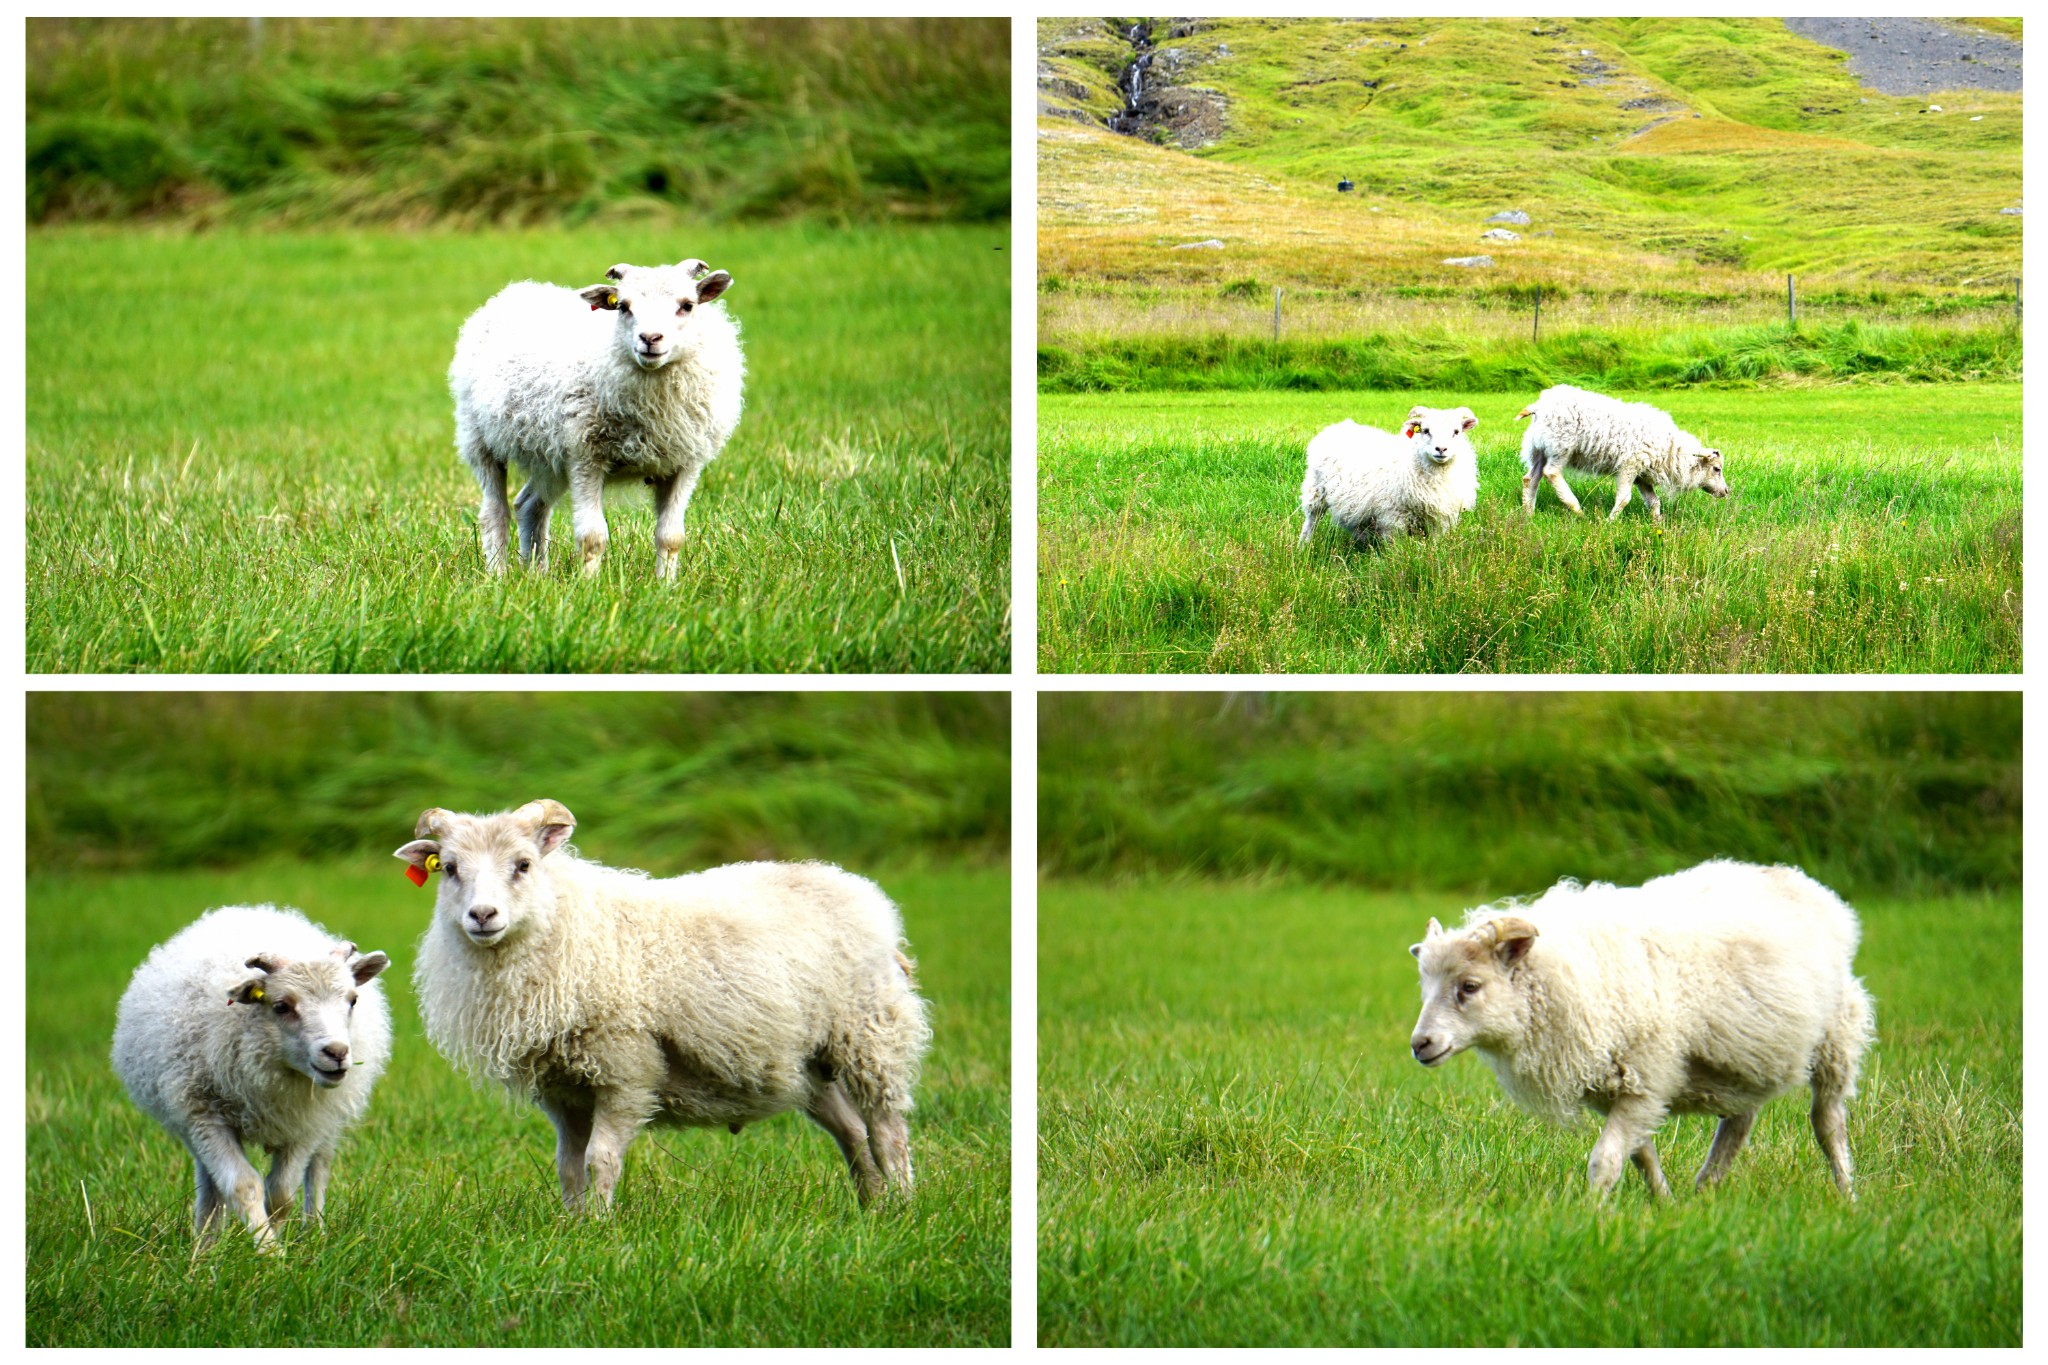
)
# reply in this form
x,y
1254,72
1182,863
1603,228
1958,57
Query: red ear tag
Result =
x,y
416,874
593,308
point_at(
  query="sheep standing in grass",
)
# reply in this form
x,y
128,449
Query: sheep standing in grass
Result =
x,y
1709,991
1640,445
253,1025
611,999
637,379
1375,484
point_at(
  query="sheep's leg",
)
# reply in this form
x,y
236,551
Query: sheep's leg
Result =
x,y
586,499
614,1121
831,1110
1645,1158
1532,464
288,1167
206,1204
671,500
1630,1124
1624,484
572,1140
1831,1130
1728,1140
236,1181
1554,476
494,515
317,1171
1309,515
1647,486
533,508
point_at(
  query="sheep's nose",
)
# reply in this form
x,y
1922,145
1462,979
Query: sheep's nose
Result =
x,y
650,338
1420,1044
336,1053
485,918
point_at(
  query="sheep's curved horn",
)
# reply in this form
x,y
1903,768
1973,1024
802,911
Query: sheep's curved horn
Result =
x,y
344,950
546,812
617,272
265,962
432,823
697,269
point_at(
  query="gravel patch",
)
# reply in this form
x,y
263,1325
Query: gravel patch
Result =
x,y
1917,56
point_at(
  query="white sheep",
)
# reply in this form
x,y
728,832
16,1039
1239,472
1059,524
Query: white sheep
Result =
x,y
1639,444
637,379
1376,484
253,1025
1710,991
611,999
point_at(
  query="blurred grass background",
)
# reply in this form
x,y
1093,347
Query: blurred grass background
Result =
x,y
332,121
445,1226
1493,793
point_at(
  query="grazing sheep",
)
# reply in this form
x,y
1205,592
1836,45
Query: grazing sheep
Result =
x,y
638,379
1376,484
612,999
253,1025
1709,991
1638,444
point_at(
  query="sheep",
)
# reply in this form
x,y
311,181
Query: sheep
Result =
x,y
651,391
253,1025
1640,445
1709,991
1376,484
610,999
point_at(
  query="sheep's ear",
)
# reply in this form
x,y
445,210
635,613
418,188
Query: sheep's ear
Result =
x,y
1415,949
251,991
618,272
601,296
1416,417
417,852
1512,939
1435,930
432,824
712,285
552,823
368,965
1466,420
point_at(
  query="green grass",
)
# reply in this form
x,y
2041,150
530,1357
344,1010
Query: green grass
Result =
x,y
1236,1149
264,479
1870,530
324,121
444,1226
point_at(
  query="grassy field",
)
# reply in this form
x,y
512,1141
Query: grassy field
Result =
x,y
1675,170
1868,531
267,481
1235,1148
444,1225
320,121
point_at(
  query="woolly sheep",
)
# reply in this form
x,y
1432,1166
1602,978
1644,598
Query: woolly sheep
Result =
x,y
253,1025
612,999
1710,991
637,379
1376,484
1640,445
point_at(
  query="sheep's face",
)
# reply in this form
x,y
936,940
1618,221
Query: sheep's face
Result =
x,y
1469,994
1703,470
495,887
307,1008
1439,434
657,306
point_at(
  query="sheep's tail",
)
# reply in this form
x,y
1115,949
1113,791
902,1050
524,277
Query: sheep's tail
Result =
x,y
1839,1060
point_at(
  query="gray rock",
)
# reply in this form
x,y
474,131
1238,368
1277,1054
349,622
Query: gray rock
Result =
x,y
1499,235
1468,260
1515,216
1211,245
2013,212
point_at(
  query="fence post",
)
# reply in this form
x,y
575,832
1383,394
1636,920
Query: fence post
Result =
x,y
1536,328
1276,312
1791,304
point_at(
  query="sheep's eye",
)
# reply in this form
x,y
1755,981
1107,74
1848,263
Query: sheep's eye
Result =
x,y
525,866
351,1001
686,306
448,866
1467,989
281,1008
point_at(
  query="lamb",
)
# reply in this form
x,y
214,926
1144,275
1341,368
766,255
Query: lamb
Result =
x,y
651,391
1709,991
1640,445
611,999
1376,484
253,1025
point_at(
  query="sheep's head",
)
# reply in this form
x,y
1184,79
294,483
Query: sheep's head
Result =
x,y
657,306
307,1007
1439,433
495,886
1703,469
1469,991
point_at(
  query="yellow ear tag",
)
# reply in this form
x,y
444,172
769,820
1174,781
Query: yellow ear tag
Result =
x,y
256,993
433,862
611,300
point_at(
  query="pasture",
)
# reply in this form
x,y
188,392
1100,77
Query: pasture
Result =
x,y
1235,1147
1872,528
443,1223
256,471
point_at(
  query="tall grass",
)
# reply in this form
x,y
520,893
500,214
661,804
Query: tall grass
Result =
x,y
319,121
